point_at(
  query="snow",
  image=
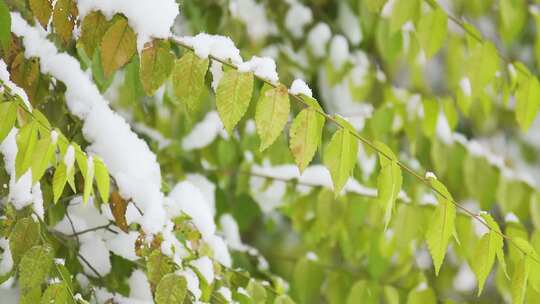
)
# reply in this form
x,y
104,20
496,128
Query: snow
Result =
x,y
6,262
123,244
318,38
216,69
229,227
204,132
139,288
465,86
300,87
54,137
339,51
95,251
149,19
205,267
298,16
196,207
69,157
226,293
465,280
262,67
312,256
430,175
192,282
349,23
387,8
253,15
221,47
5,80
511,218
21,192
137,173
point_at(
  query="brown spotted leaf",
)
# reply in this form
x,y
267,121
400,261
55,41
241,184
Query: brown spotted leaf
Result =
x,y
118,208
118,46
64,15
42,10
93,28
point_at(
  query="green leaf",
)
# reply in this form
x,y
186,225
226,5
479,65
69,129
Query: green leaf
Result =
x,y
424,296
8,115
403,11
256,292
42,10
5,27
64,17
102,179
283,299
42,157
527,102
117,46
34,267
431,113
233,96
271,114
59,181
482,66
23,236
340,155
441,226
486,249
171,289
26,142
156,65
88,179
307,280
93,28
57,293
518,283
361,290
157,266
432,29
188,80
389,181
305,135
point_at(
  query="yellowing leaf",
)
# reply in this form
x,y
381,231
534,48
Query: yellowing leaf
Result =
x,y
233,96
527,101
305,134
441,226
171,289
117,46
432,29
8,115
156,65
93,28
157,266
486,249
57,293
26,142
271,114
340,155
389,181
102,179
188,80
64,17
42,10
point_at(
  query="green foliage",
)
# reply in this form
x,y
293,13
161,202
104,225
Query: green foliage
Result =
x,y
5,26
8,115
340,155
171,289
489,246
305,133
432,29
441,225
527,101
271,114
233,96
389,180
188,80
24,235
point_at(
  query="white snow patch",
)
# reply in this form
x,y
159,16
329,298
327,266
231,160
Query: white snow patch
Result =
x,y
318,38
300,87
149,19
218,46
297,17
263,67
204,132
